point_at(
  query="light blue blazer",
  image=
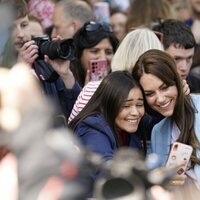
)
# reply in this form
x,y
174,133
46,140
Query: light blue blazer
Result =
x,y
161,136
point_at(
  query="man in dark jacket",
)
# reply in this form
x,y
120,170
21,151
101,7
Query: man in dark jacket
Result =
x,y
55,76
179,42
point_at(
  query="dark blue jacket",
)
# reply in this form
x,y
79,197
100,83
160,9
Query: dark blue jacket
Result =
x,y
95,133
54,87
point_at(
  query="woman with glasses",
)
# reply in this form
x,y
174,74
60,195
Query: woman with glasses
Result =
x,y
94,41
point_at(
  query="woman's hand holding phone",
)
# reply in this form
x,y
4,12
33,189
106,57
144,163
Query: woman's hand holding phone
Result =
x,y
179,155
179,158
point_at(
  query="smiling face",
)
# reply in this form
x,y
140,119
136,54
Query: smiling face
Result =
x,y
131,112
159,96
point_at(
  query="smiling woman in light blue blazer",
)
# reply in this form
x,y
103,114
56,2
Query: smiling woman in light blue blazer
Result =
x,y
162,87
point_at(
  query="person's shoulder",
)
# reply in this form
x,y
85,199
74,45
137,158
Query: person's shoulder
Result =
x,y
194,83
94,124
96,121
96,118
88,90
195,96
161,134
193,77
196,100
161,126
91,86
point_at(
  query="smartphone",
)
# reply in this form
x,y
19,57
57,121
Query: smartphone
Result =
x,y
180,153
98,69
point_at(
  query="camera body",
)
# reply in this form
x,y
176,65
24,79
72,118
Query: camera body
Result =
x,y
58,49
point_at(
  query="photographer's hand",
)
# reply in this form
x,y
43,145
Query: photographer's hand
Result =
x,y
28,53
62,67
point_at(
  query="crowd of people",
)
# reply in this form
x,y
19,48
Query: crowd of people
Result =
x,y
75,89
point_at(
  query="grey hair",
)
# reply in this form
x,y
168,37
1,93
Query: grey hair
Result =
x,y
78,10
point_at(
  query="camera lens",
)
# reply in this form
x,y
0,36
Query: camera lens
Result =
x,y
66,49
63,49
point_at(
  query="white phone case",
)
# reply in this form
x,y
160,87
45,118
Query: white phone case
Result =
x,y
180,153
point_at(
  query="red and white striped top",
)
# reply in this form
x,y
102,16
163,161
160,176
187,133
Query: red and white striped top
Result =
x,y
83,98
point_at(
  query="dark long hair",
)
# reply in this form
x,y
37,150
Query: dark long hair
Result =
x,y
163,66
108,98
87,39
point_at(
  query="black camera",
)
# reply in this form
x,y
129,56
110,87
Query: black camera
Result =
x,y
63,49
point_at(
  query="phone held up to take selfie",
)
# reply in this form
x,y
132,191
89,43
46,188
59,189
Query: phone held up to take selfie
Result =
x,y
180,153
98,69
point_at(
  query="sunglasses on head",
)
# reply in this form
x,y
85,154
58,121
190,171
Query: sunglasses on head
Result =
x,y
94,26
158,34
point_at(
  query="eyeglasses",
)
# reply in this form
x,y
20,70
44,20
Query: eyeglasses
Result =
x,y
158,34
94,26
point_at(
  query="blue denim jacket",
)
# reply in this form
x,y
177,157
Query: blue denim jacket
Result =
x,y
161,136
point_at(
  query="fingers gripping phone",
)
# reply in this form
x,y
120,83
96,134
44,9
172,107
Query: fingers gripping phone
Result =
x,y
98,69
180,153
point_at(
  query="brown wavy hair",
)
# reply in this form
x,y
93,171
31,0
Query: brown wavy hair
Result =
x,y
163,66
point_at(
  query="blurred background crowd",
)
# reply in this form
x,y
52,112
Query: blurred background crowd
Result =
x,y
70,75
